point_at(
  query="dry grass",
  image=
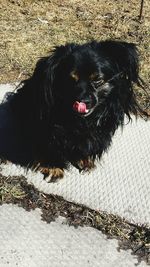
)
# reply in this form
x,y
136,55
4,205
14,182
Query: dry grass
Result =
x,y
30,28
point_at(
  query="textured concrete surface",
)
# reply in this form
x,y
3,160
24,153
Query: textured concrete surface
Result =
x,y
26,241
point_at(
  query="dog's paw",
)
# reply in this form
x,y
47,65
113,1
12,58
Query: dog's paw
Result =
x,y
52,175
85,165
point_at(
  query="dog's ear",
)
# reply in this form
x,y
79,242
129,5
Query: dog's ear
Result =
x,y
44,73
36,93
124,55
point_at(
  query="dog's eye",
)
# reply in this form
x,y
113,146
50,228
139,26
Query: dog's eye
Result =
x,y
94,76
74,76
96,80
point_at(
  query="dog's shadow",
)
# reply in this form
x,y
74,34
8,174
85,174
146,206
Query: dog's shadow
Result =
x,y
13,146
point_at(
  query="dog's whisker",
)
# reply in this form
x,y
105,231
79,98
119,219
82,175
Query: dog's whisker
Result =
x,y
98,83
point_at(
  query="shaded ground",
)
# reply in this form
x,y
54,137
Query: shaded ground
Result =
x,y
16,190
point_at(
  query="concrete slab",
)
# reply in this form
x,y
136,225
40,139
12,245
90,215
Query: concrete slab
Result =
x,y
26,241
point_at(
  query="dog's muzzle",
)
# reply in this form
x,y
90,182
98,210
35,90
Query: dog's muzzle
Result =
x,y
85,108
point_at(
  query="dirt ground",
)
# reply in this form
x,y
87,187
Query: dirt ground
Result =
x,y
29,29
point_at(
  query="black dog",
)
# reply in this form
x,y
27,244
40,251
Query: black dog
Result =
x,y
73,103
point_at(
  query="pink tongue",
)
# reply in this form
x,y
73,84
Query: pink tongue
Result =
x,y
80,107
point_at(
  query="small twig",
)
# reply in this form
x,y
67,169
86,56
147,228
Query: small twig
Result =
x,y
141,9
87,217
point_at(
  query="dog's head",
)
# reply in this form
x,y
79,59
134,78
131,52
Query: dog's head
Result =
x,y
78,79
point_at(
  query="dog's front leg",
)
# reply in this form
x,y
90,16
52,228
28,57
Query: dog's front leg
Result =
x,y
51,174
85,165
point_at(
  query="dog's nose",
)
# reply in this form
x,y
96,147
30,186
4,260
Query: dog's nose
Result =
x,y
88,100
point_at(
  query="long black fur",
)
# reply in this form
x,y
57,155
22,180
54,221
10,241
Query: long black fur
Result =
x,y
43,104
